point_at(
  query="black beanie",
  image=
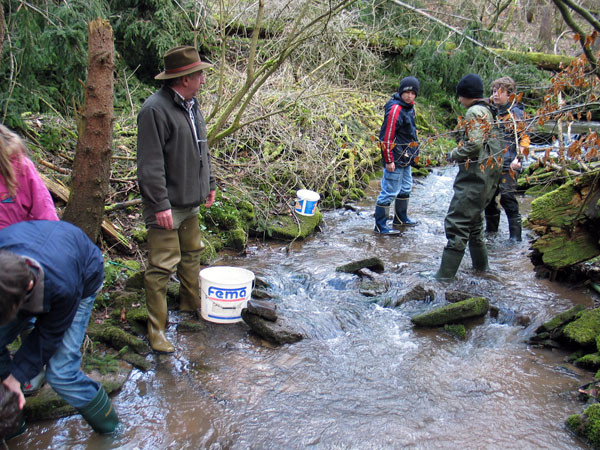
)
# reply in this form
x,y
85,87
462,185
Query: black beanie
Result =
x,y
470,86
409,84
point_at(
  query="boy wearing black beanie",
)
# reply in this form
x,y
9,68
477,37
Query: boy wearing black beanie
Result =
x,y
399,147
476,181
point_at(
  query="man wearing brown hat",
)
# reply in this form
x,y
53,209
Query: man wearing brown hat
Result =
x,y
175,178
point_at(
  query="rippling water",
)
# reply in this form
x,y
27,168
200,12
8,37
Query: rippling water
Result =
x,y
365,379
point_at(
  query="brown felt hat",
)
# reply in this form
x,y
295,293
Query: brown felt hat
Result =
x,y
180,61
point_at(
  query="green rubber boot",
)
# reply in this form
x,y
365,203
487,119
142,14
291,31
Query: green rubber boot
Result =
x,y
100,414
479,257
449,266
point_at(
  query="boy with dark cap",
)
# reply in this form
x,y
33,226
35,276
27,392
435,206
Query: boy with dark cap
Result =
x,y
476,181
399,147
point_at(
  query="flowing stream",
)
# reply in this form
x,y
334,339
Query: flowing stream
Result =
x,y
365,379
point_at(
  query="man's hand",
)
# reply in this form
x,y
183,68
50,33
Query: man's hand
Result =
x,y
390,167
13,384
210,199
164,219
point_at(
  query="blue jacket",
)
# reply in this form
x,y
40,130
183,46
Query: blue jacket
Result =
x,y
397,133
73,269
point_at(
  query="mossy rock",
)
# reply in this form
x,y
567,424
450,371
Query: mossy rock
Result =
x,y
47,404
419,171
137,319
457,330
137,361
135,281
587,425
455,312
584,330
117,338
296,226
560,319
590,361
124,299
375,264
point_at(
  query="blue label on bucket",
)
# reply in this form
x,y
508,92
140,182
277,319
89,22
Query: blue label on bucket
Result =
x,y
305,207
227,295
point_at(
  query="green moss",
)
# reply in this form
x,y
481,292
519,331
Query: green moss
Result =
x,y
584,330
561,319
293,227
587,425
139,233
117,338
556,208
561,249
471,307
457,330
590,361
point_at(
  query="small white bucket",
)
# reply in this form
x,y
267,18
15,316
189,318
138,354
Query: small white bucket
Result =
x,y
224,292
306,201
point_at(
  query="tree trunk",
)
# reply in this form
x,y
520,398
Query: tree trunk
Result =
x,y
547,14
91,168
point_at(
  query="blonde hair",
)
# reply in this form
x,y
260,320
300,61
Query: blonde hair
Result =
x,y
12,149
506,83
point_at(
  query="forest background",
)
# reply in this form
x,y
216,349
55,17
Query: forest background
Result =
x,y
295,98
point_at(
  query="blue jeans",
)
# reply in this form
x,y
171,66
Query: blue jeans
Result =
x,y
63,371
398,182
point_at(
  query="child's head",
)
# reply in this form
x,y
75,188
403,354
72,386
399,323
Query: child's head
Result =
x,y
15,281
409,89
470,87
11,147
502,89
10,414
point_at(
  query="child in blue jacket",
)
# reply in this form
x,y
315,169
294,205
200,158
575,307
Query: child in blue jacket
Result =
x,y
399,147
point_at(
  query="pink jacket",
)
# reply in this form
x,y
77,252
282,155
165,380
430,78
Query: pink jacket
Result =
x,y
33,200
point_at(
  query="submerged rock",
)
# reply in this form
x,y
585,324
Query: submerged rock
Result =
x,y
374,264
282,331
47,404
419,292
455,312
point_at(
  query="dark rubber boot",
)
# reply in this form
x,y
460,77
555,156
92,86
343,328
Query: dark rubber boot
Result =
x,y
381,216
191,246
491,223
449,266
515,228
401,213
163,257
100,414
479,257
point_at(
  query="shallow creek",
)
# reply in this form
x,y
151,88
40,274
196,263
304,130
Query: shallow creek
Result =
x,y
365,378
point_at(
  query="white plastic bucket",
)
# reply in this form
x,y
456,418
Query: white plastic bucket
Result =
x,y
224,292
306,201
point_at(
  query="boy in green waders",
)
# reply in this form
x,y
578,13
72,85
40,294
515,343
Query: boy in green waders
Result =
x,y
476,181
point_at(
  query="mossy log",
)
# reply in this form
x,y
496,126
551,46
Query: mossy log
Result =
x,y
455,312
117,338
568,222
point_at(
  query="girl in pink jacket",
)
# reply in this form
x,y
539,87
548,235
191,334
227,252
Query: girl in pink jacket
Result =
x,y
23,194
